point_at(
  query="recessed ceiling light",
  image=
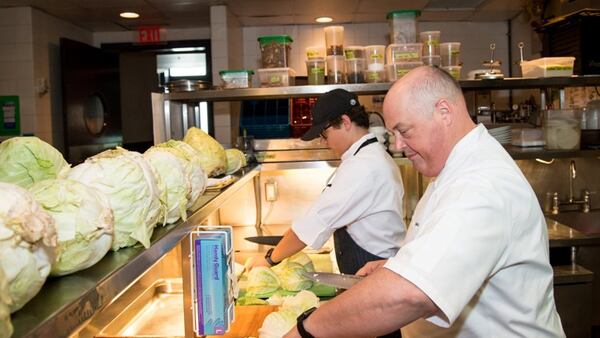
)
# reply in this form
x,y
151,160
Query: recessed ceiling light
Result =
x,y
324,19
129,15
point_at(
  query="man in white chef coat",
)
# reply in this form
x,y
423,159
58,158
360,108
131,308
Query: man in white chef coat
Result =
x,y
361,205
475,260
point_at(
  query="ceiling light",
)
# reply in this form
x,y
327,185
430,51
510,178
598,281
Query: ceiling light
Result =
x,y
324,19
129,15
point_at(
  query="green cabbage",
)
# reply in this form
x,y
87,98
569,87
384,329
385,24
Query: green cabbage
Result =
x,y
300,302
135,195
302,259
25,160
235,160
277,324
262,281
27,243
211,153
194,171
84,223
292,279
6,328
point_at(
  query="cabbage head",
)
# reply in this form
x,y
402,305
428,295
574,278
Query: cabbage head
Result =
x,y
277,324
262,281
300,302
302,259
84,223
133,191
6,328
292,279
211,153
195,173
25,160
27,243
235,160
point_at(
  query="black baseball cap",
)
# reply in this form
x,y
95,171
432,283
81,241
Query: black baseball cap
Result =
x,y
329,106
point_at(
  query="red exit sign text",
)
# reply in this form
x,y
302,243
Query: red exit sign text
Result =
x,y
149,34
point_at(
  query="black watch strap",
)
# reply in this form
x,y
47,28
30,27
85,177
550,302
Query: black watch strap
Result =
x,y
268,257
300,323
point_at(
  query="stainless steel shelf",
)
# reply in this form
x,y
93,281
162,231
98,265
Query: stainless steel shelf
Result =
x,y
526,153
64,303
532,83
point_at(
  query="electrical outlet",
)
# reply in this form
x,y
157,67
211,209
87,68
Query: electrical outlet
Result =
x,y
271,192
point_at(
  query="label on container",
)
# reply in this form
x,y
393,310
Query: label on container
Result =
x,y
317,70
431,43
312,54
376,57
404,56
400,72
275,79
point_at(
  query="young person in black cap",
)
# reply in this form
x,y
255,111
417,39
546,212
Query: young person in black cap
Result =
x,y
361,206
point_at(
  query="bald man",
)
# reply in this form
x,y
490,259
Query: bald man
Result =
x,y
475,260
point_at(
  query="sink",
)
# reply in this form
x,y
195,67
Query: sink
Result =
x,y
588,223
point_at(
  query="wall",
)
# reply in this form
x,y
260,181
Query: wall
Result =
x,y
167,34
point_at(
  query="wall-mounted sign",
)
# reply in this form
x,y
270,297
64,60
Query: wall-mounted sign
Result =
x,y
149,34
10,121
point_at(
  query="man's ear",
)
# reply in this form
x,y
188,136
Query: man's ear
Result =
x,y
346,121
445,111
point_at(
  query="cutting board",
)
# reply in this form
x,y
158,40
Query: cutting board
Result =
x,y
248,319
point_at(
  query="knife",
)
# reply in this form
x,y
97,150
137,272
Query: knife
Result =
x,y
340,281
266,240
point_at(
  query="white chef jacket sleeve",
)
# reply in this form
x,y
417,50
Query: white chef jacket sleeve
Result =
x,y
339,205
457,247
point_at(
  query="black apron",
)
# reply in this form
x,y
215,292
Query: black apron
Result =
x,y
349,255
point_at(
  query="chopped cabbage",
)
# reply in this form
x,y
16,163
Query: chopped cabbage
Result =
x,y
261,282
25,160
235,160
83,219
277,324
27,243
300,302
292,279
132,189
302,259
211,153
6,328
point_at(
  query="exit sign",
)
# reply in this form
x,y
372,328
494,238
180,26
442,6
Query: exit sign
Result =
x,y
149,34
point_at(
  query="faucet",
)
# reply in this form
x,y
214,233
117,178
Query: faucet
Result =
x,y
585,202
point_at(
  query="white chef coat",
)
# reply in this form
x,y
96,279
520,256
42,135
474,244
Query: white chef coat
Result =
x,y
478,247
365,196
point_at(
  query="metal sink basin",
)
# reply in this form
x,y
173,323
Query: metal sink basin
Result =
x,y
588,223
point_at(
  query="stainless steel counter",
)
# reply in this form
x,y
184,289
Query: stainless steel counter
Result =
x,y
67,302
561,235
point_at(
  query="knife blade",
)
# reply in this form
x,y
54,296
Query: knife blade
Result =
x,y
340,281
266,240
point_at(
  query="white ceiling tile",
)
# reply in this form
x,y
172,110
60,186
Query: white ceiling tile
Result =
x,y
260,8
385,6
324,8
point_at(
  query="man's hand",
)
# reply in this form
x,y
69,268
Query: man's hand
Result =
x,y
368,268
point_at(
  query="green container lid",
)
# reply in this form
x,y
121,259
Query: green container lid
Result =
x,y
234,71
283,39
403,12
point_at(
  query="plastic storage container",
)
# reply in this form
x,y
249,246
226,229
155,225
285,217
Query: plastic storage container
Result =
x,y
315,52
236,78
315,71
354,52
431,42
275,50
453,70
432,60
548,67
562,128
404,52
355,70
276,77
403,26
334,40
450,53
375,57
397,70
335,69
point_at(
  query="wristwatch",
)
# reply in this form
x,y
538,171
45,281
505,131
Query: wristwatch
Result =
x,y
300,323
268,257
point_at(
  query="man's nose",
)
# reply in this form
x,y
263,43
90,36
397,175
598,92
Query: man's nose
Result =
x,y
399,143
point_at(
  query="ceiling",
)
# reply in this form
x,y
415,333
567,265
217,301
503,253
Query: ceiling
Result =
x,y
103,15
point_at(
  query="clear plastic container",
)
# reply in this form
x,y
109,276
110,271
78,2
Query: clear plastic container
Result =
x,y
562,128
275,50
375,57
431,42
453,70
548,67
315,71
450,53
373,76
241,78
403,26
432,60
335,69
276,77
315,52
334,40
355,70
404,52
397,70
354,52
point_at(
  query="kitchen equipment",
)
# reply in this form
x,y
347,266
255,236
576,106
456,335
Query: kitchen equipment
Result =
x,y
241,78
334,40
338,280
355,69
399,69
453,70
276,77
432,60
354,52
265,240
335,69
315,52
187,85
548,67
431,42
450,53
562,128
492,65
275,50
315,71
403,25
404,52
